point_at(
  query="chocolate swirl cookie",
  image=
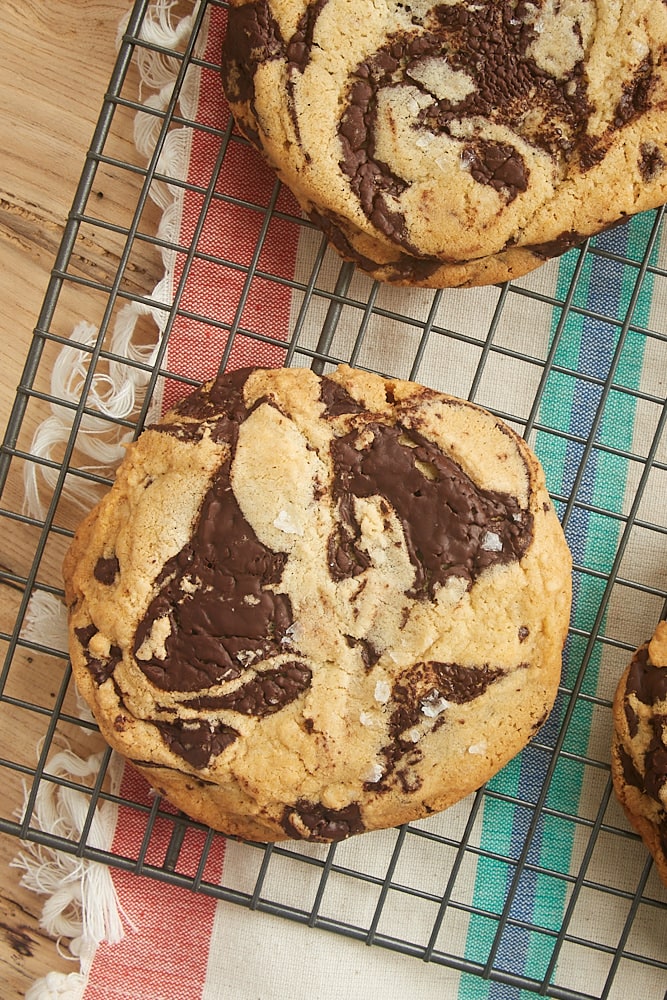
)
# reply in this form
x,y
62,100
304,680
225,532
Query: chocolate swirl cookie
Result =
x,y
310,606
455,143
639,751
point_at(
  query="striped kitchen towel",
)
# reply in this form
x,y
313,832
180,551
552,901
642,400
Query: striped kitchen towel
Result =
x,y
543,889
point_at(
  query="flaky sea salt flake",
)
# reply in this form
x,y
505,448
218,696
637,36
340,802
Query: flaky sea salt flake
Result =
x,y
382,692
434,705
284,522
492,542
373,774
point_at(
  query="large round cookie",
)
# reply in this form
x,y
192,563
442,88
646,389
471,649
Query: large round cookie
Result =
x,y
639,750
455,143
310,606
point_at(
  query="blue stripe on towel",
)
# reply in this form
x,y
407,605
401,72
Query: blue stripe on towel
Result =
x,y
569,405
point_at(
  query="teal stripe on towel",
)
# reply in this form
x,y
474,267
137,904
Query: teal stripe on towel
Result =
x,y
586,346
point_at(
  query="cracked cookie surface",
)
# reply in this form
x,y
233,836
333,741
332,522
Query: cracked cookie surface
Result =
x,y
313,606
455,143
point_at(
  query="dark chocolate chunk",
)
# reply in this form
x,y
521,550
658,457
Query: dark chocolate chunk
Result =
x,y
655,760
337,399
646,681
100,667
405,268
268,692
451,526
216,410
233,613
592,150
345,556
651,162
85,633
185,431
219,592
408,780
636,97
566,241
554,248
497,164
106,570
223,397
654,777
369,654
197,741
298,47
103,667
489,43
323,824
252,37
630,772
422,694
461,684
120,723
631,718
411,269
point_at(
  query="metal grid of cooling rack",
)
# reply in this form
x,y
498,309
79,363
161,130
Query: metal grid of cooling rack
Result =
x,y
608,911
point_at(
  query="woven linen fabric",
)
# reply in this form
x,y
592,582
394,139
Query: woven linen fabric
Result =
x,y
181,945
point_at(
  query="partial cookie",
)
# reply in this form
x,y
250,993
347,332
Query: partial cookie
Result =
x,y
310,607
455,143
639,751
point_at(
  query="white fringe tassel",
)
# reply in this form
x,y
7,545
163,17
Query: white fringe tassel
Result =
x,y
119,391
113,393
46,621
81,904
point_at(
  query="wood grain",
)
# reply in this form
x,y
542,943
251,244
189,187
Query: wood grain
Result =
x,y
56,62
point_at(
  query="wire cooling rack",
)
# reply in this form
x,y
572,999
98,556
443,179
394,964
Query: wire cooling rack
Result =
x,y
574,356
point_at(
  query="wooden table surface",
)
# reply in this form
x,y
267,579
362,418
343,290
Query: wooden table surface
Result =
x,y
54,69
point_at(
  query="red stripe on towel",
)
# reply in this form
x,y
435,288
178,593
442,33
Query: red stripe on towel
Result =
x,y
231,231
166,956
